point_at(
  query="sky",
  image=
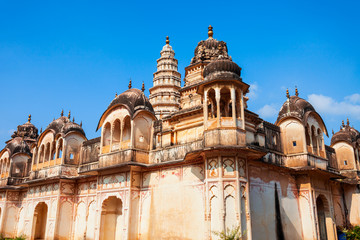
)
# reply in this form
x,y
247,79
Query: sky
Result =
x,y
75,55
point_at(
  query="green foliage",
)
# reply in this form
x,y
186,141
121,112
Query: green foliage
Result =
x,y
22,237
230,234
352,233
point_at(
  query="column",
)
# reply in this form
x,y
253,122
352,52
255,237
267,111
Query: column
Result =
x,y
205,106
132,134
217,97
63,151
221,194
242,110
233,104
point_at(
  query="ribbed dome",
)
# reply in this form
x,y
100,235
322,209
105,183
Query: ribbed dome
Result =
x,y
26,130
209,50
222,69
347,134
299,108
134,99
64,125
18,145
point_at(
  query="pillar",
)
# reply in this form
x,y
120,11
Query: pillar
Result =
x,y
242,110
217,97
233,104
205,109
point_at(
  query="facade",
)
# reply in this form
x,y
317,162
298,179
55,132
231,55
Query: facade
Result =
x,y
183,164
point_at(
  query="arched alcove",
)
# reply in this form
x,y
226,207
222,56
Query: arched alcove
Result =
x,y
111,219
39,221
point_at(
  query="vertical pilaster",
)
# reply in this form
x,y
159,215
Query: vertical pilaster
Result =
x,y
233,104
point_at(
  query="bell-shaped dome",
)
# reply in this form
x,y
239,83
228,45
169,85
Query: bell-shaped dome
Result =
x,y
209,49
347,134
295,107
64,125
133,100
18,145
222,69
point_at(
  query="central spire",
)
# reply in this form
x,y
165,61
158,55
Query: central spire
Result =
x,y
167,40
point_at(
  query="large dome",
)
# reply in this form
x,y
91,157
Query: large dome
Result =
x,y
295,107
209,49
26,130
64,125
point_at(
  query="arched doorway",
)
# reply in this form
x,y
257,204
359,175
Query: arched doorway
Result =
x,y
326,225
39,222
111,219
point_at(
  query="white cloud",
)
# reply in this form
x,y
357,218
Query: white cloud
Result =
x,y
253,91
327,105
268,111
355,98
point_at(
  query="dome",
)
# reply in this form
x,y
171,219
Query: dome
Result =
x,y
18,145
222,69
209,49
64,125
133,99
298,108
26,130
347,134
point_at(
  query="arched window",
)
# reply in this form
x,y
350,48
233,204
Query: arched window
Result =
x,y
71,156
116,133
53,150
60,148
42,153
314,139
319,138
106,134
225,99
307,135
47,152
126,130
212,104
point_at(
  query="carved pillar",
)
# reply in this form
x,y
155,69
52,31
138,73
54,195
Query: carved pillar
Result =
x,y
63,151
217,97
233,104
205,106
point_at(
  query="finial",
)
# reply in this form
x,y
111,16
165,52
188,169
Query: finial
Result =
x,y
29,118
210,32
296,91
81,124
116,94
167,40
62,113
332,131
143,87
69,115
287,93
342,123
130,83
41,130
54,119
347,122
73,119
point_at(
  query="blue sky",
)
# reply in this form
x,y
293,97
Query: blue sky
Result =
x,y
74,55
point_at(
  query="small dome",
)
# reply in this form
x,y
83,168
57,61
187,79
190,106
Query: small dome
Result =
x,y
26,130
209,50
64,125
347,134
18,145
222,69
134,99
295,107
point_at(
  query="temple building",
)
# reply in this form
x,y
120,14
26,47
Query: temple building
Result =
x,y
187,162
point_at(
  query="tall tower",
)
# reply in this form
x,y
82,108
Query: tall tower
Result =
x,y
164,95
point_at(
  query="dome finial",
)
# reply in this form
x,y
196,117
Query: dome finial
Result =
x,y
210,32
296,91
69,115
73,119
143,87
167,40
29,118
130,83
62,113
347,122
116,94
287,93
81,124
41,130
342,123
332,131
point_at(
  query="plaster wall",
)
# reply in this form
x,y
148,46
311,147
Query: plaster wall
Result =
x,y
293,136
345,152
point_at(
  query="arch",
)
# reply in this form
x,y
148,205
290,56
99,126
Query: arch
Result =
x,y
47,152
142,132
230,211
21,222
319,135
116,130
53,150
324,220
212,103
60,148
126,131
39,220
225,100
91,220
307,136
314,140
42,153
111,219
106,134
11,221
